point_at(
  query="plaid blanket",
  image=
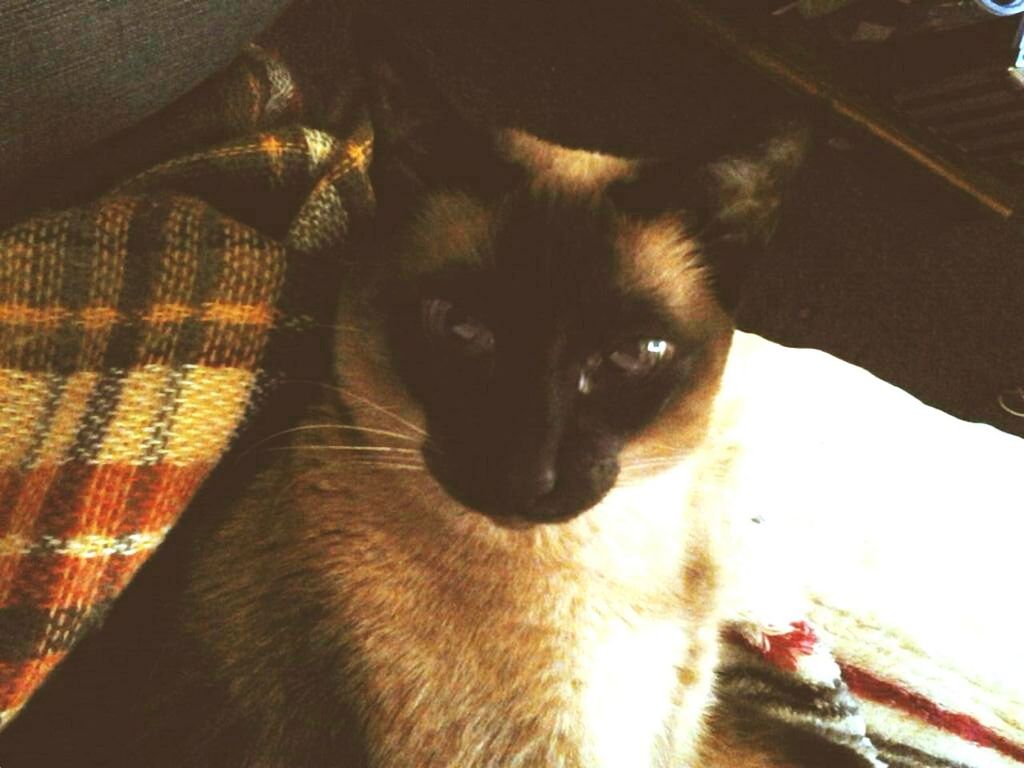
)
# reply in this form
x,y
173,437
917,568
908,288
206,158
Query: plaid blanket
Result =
x,y
133,334
139,327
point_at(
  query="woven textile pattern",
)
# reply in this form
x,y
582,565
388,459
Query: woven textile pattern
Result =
x,y
132,333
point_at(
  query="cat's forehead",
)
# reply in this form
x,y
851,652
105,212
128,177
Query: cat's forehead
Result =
x,y
549,244
658,257
572,171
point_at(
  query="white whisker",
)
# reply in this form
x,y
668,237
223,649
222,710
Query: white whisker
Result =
x,y
351,428
345,448
663,462
346,392
378,407
416,467
344,327
344,427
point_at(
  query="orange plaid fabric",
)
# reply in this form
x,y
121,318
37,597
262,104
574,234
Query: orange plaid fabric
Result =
x,y
134,333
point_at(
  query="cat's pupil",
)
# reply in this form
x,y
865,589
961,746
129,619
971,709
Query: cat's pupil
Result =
x,y
633,360
640,356
443,321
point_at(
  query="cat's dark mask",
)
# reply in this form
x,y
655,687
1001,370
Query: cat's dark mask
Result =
x,y
556,315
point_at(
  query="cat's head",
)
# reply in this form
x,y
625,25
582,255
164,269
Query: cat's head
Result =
x,y
551,319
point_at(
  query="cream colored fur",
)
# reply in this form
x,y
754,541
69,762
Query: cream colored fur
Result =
x,y
460,641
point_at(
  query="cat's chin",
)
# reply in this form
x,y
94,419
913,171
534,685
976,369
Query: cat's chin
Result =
x,y
554,508
473,486
517,513
529,515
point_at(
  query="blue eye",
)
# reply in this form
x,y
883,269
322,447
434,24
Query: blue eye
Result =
x,y
446,323
631,361
641,356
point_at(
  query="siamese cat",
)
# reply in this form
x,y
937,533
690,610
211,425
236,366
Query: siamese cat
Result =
x,y
496,540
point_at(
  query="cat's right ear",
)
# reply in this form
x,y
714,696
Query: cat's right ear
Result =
x,y
422,141
731,206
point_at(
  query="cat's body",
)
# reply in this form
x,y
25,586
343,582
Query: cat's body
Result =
x,y
496,541
580,629
470,644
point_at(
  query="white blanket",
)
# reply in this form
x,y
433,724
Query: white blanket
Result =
x,y
897,530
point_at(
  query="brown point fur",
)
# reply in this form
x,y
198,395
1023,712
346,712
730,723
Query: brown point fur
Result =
x,y
658,258
575,171
458,641
449,228
465,641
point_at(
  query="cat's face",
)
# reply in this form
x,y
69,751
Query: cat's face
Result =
x,y
546,340
558,340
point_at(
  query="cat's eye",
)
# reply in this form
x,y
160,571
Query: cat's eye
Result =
x,y
631,361
443,321
641,356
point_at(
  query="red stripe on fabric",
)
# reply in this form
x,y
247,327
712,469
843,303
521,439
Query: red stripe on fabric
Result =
x,y
865,684
158,495
48,580
70,499
118,573
19,679
59,509
21,502
21,497
780,649
84,582
104,499
112,501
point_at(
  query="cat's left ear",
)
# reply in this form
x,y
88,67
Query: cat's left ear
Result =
x,y
731,206
423,142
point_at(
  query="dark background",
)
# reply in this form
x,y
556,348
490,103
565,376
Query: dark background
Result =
x,y
875,260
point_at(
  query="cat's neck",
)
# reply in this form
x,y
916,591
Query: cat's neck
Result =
x,y
543,641
585,642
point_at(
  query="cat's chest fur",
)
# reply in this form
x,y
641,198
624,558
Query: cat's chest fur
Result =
x,y
505,554
468,644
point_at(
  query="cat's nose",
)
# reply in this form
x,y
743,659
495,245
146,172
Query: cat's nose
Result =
x,y
543,482
539,483
532,483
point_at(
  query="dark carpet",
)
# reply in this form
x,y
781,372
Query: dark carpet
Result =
x,y
883,265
